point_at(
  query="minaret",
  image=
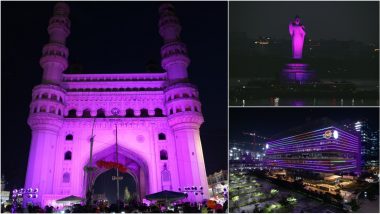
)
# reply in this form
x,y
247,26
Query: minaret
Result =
x,y
47,106
55,54
173,52
183,106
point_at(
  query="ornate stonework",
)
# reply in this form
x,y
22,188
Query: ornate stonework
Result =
x,y
158,116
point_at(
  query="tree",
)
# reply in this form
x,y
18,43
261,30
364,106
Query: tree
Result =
x,y
354,205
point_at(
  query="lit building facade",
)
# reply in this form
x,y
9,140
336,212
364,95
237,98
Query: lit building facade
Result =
x,y
157,115
218,184
4,194
369,140
326,150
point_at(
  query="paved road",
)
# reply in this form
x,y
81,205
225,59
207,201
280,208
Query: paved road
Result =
x,y
304,203
367,206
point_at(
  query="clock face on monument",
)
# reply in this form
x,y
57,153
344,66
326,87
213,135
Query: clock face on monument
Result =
x,y
115,111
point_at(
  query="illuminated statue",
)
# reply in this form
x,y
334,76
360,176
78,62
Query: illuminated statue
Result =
x,y
297,32
127,195
297,71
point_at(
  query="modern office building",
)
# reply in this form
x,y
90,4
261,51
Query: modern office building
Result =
x,y
369,141
323,150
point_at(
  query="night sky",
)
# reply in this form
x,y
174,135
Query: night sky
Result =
x,y
323,20
110,37
267,122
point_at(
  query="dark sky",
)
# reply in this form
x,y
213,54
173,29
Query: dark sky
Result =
x,y
270,121
323,20
110,37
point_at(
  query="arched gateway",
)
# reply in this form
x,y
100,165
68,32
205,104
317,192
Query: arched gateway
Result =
x,y
157,116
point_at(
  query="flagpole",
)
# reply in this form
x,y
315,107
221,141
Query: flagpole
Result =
x,y
90,168
117,175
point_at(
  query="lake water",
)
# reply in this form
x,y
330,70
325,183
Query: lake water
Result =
x,y
305,102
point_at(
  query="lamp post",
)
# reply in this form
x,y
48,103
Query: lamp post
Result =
x,y
116,112
89,168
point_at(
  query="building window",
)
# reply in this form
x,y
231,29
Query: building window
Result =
x,y
45,96
86,113
100,113
188,108
129,113
165,174
161,136
66,177
144,112
69,137
158,112
43,109
72,113
68,155
54,97
163,155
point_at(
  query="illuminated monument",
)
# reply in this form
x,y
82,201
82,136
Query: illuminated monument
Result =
x,y
158,116
297,32
297,71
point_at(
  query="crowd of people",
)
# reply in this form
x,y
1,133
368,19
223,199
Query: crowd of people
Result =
x,y
131,207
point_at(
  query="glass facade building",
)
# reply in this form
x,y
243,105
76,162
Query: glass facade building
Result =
x,y
326,150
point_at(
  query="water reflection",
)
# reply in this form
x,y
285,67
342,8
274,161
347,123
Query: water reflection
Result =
x,y
313,101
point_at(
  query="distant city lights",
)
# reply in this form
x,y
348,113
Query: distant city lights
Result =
x,y
358,126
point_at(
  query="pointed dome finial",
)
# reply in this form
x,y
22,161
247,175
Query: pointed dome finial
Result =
x,y
61,8
166,7
174,52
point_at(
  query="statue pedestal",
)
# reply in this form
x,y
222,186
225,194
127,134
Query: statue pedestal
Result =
x,y
297,72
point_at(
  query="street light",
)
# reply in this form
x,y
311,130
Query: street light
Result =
x,y
195,190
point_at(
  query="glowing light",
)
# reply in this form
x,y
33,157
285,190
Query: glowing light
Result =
x,y
327,134
297,33
335,134
267,146
358,126
311,142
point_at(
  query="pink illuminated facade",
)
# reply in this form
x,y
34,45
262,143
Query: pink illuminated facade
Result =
x,y
158,116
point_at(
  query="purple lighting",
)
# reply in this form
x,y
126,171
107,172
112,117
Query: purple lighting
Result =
x,y
322,150
297,33
158,116
297,72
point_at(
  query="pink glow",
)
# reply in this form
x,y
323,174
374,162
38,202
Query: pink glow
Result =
x,y
63,104
297,33
298,72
